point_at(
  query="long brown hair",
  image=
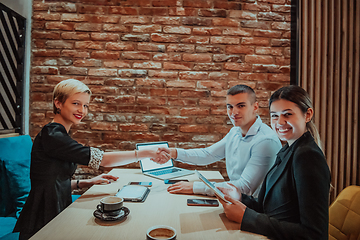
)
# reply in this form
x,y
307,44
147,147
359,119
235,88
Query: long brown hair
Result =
x,y
301,98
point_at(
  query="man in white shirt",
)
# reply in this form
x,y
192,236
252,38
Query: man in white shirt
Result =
x,y
249,148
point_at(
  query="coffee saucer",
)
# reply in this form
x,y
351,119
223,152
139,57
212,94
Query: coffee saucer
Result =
x,y
124,211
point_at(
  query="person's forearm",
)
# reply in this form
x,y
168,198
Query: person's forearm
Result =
x,y
83,183
113,159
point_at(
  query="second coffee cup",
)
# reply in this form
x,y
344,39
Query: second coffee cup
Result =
x,y
110,204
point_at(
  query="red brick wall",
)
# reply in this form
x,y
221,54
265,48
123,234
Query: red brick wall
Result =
x,y
158,69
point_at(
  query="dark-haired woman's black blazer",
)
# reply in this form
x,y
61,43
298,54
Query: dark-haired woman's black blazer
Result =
x,y
293,200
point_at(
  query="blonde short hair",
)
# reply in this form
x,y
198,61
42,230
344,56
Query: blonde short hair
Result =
x,y
68,87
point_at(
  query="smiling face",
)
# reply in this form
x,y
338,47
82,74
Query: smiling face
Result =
x,y
72,110
288,121
241,111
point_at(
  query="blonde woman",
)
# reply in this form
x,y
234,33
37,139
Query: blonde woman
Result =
x,y
55,155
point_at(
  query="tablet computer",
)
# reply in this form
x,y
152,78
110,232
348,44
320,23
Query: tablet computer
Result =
x,y
212,186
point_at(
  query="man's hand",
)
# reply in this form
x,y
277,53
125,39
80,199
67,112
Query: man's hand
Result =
x,y
181,187
234,210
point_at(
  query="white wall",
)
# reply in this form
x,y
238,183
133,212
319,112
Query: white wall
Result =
x,y
24,8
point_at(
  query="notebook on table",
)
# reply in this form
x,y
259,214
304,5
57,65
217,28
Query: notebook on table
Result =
x,y
156,170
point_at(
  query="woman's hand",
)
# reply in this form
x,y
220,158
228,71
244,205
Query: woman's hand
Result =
x,y
230,190
102,179
234,210
181,187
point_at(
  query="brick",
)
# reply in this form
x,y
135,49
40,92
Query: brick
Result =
x,y
135,20
44,70
59,26
281,26
176,137
147,65
133,109
270,86
225,22
122,10
255,24
88,27
197,4
120,118
104,89
104,37
212,103
119,46
163,74
206,138
147,137
105,126
163,127
182,102
240,49
41,105
193,128
181,84
166,3
75,54
253,76
166,20
195,40
279,77
218,92
136,37
46,16
167,57
281,8
211,85
177,30
241,67
133,127
45,35
273,1
195,93
270,16
180,11
196,57
73,17
103,72
180,48
153,11
259,59
105,55
177,66
102,108
238,32
227,5
267,33
194,21
157,37
116,28
260,7
255,41
104,19
282,61
207,67
194,111
211,120
193,75
212,13
147,28
209,31
120,82
75,36
223,76
88,9
280,43
227,58
132,73
179,119
164,92
121,100
266,68
89,45
116,64
45,52
86,134
219,111
87,63
149,119
209,49
224,40
73,71
151,47
136,55
220,129
242,14
269,51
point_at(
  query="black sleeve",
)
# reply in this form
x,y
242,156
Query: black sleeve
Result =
x,y
312,182
59,145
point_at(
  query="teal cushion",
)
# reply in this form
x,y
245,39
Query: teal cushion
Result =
x,y
15,155
7,225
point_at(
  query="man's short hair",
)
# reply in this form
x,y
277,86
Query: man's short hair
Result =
x,y
241,88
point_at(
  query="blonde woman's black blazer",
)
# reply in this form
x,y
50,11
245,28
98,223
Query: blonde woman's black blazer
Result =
x,y
293,201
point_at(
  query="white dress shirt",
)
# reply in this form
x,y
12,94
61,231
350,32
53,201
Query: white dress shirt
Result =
x,y
248,158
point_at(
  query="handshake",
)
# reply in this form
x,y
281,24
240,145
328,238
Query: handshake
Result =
x,y
164,154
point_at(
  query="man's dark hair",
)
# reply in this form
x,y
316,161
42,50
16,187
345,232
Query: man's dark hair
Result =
x,y
241,88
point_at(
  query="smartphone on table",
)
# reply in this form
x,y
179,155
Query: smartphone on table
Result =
x,y
172,181
203,202
145,184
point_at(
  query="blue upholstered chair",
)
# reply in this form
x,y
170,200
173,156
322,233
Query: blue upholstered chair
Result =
x,y
14,181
